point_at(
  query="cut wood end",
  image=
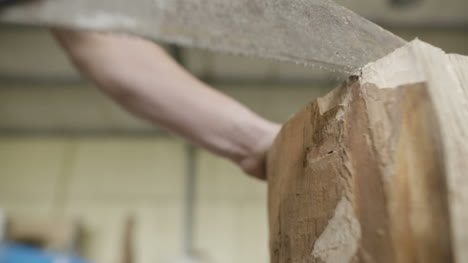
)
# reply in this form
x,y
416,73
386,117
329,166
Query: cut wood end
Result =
x,y
339,241
401,67
395,188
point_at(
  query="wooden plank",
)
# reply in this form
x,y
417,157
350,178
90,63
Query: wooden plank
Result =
x,y
376,170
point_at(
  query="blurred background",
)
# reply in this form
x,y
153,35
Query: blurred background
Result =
x,y
79,173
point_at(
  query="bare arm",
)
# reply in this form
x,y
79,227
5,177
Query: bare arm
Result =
x,y
141,77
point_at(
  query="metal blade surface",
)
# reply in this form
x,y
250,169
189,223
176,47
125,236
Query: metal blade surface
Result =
x,y
309,32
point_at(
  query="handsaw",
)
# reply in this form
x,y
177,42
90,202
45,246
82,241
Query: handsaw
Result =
x,y
308,32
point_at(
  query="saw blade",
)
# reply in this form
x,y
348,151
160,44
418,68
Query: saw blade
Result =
x,y
309,32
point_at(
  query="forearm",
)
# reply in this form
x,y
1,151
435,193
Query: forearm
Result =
x,y
144,79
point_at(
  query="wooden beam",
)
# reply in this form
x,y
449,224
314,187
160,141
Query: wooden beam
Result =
x,y
377,170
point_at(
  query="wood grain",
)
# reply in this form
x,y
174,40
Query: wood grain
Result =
x,y
364,173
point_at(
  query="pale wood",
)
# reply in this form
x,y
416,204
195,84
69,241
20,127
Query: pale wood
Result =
x,y
377,170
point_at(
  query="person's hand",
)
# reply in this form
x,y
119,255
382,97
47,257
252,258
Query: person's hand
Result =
x,y
254,164
146,81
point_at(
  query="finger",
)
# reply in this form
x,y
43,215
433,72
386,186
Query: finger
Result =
x,y
257,170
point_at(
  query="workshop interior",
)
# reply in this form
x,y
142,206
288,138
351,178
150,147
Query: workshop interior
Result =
x,y
82,180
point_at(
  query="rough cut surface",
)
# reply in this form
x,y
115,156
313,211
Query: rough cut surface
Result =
x,y
316,32
377,170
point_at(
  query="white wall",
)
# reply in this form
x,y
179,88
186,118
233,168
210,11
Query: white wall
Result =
x,y
99,181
